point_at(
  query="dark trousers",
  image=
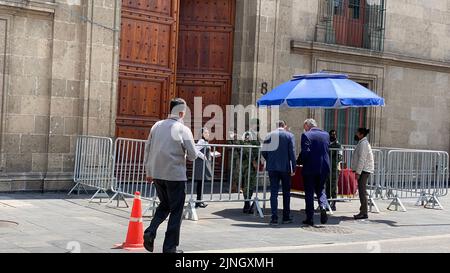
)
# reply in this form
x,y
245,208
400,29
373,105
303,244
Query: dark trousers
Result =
x,y
275,178
314,184
199,189
248,195
362,191
331,184
171,195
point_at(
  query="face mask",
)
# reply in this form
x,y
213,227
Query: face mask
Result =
x,y
356,138
332,139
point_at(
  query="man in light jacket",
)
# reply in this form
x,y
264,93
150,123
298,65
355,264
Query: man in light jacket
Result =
x,y
168,146
363,166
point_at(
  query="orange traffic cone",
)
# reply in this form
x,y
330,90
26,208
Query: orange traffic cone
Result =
x,y
135,234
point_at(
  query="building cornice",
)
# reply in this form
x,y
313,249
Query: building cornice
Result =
x,y
365,55
29,5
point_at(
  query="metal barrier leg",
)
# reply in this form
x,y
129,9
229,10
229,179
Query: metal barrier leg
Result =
x,y
396,202
258,207
112,199
190,212
151,207
329,208
118,197
379,192
77,186
101,194
422,199
154,206
389,194
70,192
373,205
434,201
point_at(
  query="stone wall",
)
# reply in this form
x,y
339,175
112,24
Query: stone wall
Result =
x,y
59,62
412,73
58,80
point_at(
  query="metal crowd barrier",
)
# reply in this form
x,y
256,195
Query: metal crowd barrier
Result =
x,y
93,164
238,175
417,174
342,185
128,171
129,176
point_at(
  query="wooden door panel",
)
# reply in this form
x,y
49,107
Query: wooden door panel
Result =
x,y
145,43
205,52
215,12
211,91
140,98
147,65
211,94
156,6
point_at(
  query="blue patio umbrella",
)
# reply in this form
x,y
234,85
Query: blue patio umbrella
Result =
x,y
321,90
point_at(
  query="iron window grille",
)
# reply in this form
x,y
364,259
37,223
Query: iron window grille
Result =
x,y
355,23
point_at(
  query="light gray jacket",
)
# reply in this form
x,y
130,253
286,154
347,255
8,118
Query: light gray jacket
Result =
x,y
362,158
169,143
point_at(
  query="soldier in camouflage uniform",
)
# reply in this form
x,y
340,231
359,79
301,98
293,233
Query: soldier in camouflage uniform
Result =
x,y
336,158
249,159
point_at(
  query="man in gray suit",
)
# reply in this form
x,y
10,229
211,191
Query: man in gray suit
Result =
x,y
169,143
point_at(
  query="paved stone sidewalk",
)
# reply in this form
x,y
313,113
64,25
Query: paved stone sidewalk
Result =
x,y
57,223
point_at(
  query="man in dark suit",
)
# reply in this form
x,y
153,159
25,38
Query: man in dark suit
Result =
x,y
316,167
279,153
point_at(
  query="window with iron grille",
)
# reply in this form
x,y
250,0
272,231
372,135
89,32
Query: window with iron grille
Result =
x,y
356,23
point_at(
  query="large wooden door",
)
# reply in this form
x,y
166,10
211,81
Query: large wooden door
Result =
x,y
205,52
147,68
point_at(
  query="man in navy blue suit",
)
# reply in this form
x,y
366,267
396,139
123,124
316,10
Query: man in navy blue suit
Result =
x,y
316,167
279,153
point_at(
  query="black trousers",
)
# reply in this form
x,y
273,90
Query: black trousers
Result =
x,y
200,188
171,195
362,191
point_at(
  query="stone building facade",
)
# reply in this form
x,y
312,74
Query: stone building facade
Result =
x,y
59,63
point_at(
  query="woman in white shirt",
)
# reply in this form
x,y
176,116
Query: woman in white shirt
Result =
x,y
202,170
363,166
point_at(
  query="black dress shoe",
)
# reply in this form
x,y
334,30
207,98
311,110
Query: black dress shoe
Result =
x,y
201,205
323,217
149,242
360,216
246,208
174,251
308,222
252,209
273,222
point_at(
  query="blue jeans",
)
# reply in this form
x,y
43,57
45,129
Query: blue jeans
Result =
x,y
314,184
275,178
